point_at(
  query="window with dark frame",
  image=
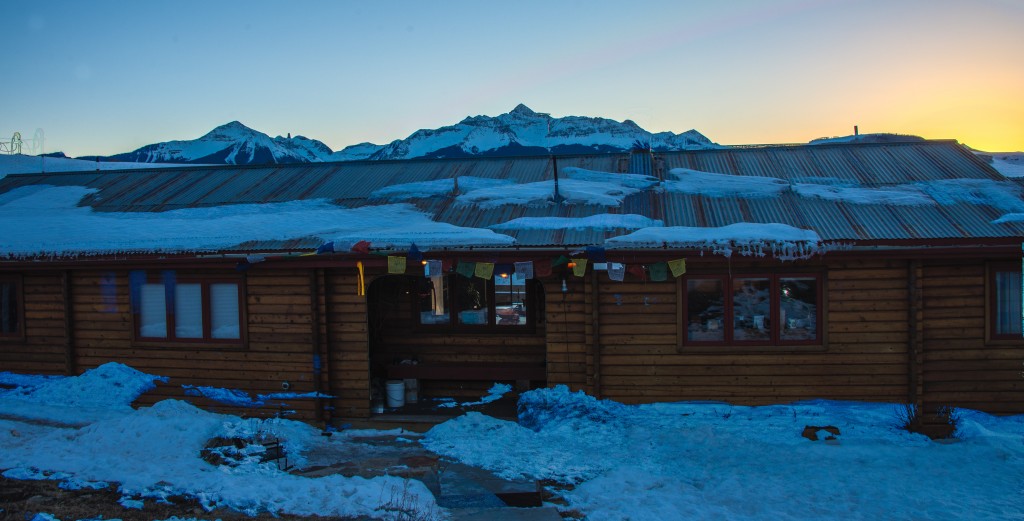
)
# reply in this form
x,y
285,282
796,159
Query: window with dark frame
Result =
x,y
11,313
473,303
779,309
189,309
1006,321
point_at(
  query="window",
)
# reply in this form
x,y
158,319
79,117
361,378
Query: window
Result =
x,y
474,303
187,309
1005,302
10,307
752,309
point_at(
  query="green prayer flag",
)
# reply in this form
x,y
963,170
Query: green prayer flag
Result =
x,y
659,271
466,269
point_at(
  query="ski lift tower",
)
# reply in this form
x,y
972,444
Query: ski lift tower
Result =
x,y
16,144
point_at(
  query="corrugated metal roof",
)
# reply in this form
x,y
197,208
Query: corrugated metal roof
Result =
x,y
350,184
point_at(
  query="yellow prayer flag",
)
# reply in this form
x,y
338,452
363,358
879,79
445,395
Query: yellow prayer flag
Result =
x,y
361,281
677,266
484,270
580,269
396,264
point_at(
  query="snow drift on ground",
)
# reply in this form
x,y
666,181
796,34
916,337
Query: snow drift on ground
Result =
x,y
154,452
646,462
723,462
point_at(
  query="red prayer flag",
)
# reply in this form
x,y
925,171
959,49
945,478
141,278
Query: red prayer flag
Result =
x,y
361,247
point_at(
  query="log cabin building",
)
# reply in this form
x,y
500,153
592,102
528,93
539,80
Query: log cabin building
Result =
x,y
876,272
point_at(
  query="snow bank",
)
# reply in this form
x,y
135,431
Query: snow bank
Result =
x,y
25,380
239,398
493,394
108,389
47,220
544,408
154,454
717,461
750,239
109,385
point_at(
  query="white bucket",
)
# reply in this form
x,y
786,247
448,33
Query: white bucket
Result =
x,y
412,387
395,392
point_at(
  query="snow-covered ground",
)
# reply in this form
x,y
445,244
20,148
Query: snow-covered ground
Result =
x,y
154,452
618,462
22,164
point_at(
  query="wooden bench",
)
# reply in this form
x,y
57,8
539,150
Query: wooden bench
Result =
x,y
520,373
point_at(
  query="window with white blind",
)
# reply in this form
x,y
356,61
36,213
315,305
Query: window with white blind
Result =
x,y
186,309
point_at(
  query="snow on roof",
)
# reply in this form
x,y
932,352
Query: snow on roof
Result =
x,y
783,241
20,163
711,184
902,195
281,207
1004,195
437,187
47,219
1009,164
577,186
637,181
605,221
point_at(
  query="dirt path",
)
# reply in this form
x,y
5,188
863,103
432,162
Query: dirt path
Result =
x,y
22,500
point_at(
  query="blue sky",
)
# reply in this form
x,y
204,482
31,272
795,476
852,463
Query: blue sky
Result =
x,y
103,77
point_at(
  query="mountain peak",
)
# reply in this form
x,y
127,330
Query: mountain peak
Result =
x,y
523,110
233,125
231,131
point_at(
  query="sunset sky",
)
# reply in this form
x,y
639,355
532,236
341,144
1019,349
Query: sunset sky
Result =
x,y
103,77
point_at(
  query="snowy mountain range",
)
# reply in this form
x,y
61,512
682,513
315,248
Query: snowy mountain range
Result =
x,y
519,132
233,143
525,132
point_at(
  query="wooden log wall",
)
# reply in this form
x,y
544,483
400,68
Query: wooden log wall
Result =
x,y
570,358
278,328
348,340
895,330
397,337
864,357
42,349
960,368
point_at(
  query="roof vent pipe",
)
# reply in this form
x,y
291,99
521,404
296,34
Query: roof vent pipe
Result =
x,y
558,199
855,131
